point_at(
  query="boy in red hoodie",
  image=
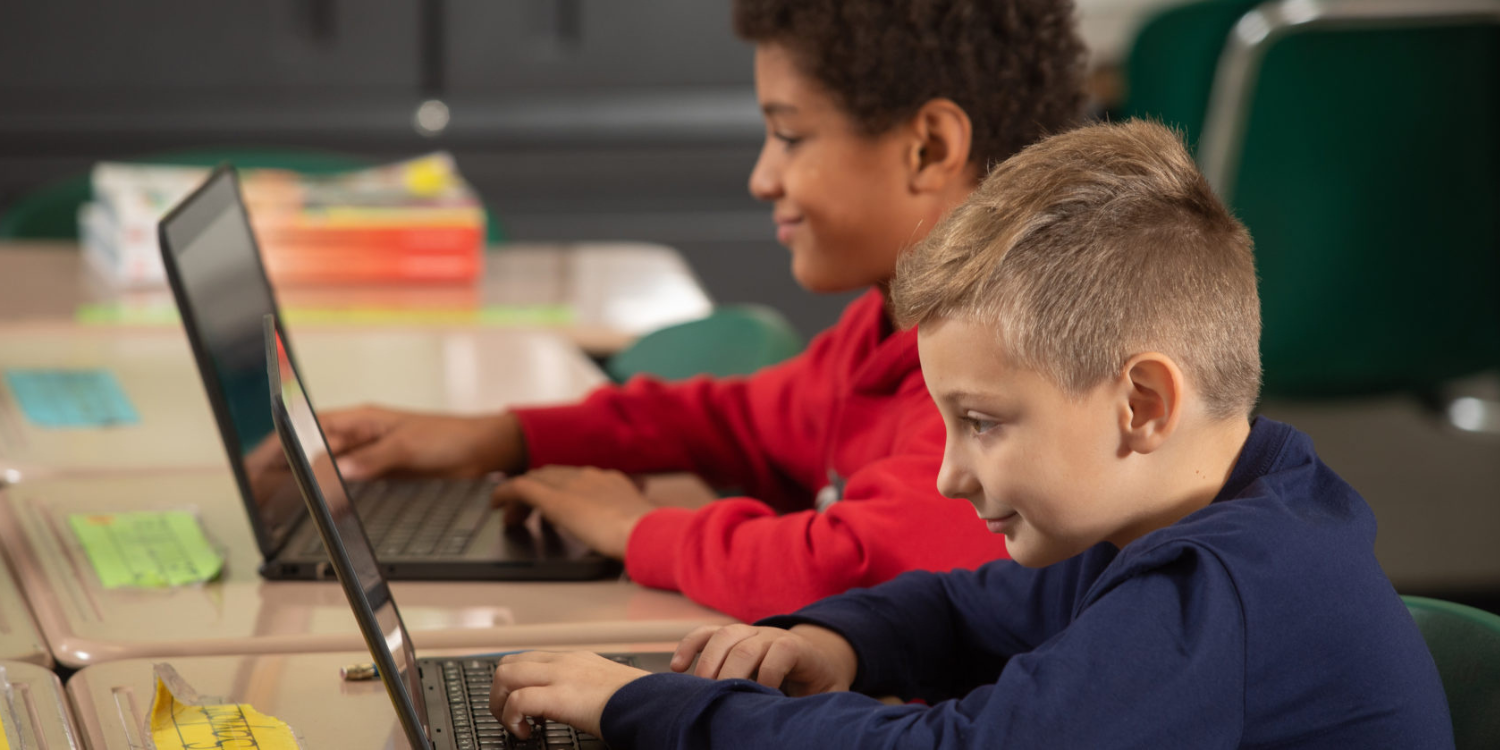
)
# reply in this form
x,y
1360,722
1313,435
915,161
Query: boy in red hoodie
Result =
x,y
880,116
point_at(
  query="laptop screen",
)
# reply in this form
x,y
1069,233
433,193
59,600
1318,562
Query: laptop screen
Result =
x,y
353,556
222,292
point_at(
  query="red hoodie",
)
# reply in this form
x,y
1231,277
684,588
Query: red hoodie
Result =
x,y
849,420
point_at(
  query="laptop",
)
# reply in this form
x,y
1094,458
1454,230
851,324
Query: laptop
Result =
x,y
422,529
442,703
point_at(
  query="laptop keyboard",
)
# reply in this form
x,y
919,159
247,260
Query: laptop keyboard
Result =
x,y
475,728
422,518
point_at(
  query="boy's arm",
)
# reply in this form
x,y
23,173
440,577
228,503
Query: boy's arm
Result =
x,y
761,432
736,555
1156,662
934,636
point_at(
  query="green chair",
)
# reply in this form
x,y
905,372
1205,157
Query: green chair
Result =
x,y
1170,66
51,211
1356,140
1465,643
733,340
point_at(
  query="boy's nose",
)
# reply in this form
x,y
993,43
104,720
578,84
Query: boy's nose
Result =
x,y
954,480
765,178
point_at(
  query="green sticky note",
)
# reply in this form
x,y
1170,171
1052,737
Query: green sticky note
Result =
x,y
115,313
146,549
532,315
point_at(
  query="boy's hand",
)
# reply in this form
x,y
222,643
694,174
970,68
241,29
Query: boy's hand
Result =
x,y
599,506
370,441
805,660
568,687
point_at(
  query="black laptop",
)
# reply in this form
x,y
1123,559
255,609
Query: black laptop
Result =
x,y
442,703
423,529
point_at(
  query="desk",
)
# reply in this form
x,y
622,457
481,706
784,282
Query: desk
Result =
x,y
464,371
303,690
613,292
83,623
45,718
19,638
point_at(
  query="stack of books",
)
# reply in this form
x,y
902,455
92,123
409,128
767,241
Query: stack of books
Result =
x,y
412,221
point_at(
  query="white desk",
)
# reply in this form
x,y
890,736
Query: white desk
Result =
x,y
241,613
19,638
613,291
464,371
302,690
44,715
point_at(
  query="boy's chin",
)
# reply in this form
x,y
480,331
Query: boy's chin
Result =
x,y
824,281
1033,555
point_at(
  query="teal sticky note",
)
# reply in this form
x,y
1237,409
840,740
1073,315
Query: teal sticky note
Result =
x,y
71,398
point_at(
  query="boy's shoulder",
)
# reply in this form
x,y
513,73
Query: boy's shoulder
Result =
x,y
1292,545
1282,512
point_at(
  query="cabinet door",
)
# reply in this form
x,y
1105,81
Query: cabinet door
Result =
x,y
57,50
550,45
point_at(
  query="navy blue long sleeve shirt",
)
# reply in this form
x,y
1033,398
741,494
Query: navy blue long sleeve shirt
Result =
x,y
1262,620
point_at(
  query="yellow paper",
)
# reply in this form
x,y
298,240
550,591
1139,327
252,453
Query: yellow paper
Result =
x,y
180,722
9,729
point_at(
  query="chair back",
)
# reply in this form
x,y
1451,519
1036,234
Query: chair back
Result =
x,y
1356,140
733,340
1465,643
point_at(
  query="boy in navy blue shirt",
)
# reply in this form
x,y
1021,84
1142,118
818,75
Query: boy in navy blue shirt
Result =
x,y
1193,576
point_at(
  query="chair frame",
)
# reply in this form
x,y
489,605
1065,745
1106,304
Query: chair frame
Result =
x,y
1256,31
1238,71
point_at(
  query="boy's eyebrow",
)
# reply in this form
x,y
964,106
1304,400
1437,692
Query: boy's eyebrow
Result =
x,y
955,396
777,108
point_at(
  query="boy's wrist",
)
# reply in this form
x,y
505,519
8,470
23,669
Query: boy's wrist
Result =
x,y
835,649
504,448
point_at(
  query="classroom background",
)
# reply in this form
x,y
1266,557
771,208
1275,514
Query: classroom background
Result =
x,y
609,143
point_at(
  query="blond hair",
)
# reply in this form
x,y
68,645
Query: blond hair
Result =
x,y
1090,247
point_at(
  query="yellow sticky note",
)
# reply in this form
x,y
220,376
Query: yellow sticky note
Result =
x,y
181,723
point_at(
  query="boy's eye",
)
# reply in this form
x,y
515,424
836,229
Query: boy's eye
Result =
x,y
977,425
787,140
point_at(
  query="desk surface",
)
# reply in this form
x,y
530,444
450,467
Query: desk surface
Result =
x,y
463,371
303,690
241,613
612,292
19,639
44,715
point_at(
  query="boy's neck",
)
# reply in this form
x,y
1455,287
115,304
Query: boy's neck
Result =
x,y
1192,473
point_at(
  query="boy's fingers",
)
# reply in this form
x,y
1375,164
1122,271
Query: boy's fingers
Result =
x,y
369,460
520,704
718,648
743,660
780,658
516,513
515,674
690,645
526,489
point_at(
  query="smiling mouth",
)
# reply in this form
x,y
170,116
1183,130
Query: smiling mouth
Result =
x,y
784,228
1001,524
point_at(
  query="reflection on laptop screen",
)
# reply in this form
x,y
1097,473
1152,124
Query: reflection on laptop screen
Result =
x,y
223,294
374,595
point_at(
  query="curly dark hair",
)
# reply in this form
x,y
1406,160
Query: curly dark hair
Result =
x,y
1015,66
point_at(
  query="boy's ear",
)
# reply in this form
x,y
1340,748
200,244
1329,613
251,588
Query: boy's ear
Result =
x,y
940,149
1153,390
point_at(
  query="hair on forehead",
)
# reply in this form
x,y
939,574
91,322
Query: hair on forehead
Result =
x,y
1090,247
